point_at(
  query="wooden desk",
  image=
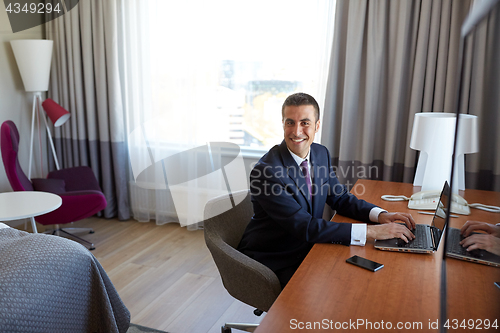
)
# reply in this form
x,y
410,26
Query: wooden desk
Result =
x,y
337,295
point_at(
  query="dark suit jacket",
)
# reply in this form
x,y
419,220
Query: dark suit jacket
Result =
x,y
286,223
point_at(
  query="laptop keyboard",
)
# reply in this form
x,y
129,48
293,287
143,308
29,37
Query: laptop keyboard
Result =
x,y
453,245
420,241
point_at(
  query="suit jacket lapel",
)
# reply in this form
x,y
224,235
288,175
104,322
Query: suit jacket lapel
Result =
x,y
295,173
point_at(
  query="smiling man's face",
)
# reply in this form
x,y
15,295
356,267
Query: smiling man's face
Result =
x,y
300,126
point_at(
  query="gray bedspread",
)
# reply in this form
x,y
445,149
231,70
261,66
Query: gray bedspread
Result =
x,y
51,284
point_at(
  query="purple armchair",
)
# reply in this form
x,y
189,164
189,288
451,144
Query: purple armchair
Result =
x,y
78,187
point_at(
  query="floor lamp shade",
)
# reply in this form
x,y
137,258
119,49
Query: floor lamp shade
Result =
x,y
433,134
57,114
33,57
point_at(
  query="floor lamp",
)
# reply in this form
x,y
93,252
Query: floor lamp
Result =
x,y
33,57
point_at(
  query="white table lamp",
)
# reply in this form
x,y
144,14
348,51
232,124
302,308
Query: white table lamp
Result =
x,y
433,134
33,57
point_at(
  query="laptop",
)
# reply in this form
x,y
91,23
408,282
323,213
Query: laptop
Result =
x,y
457,251
427,237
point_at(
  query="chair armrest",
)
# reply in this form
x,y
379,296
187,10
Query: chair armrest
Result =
x,y
77,178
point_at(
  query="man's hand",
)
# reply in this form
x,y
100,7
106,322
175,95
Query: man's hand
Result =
x,y
406,218
388,231
489,243
471,226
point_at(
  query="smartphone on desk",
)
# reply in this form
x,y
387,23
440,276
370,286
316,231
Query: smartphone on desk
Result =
x,y
365,263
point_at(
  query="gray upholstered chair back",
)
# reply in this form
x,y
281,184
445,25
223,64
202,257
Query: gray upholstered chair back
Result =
x,y
244,278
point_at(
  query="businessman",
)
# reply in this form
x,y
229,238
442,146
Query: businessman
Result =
x,y
290,186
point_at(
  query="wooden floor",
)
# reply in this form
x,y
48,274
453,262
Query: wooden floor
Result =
x,y
165,276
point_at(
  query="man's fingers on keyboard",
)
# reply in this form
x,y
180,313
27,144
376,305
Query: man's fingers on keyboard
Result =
x,y
407,219
471,242
410,222
406,234
473,247
409,234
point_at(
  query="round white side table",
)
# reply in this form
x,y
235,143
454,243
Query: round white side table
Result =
x,y
27,204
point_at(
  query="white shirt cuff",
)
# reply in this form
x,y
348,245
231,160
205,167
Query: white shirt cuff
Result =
x,y
358,234
375,212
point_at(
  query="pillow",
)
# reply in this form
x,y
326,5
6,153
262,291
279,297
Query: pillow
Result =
x,y
56,186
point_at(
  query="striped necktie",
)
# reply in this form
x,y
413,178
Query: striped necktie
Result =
x,y
304,167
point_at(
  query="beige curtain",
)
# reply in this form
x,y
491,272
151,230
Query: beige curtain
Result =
x,y
85,79
390,60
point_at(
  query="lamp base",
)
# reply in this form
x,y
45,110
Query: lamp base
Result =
x,y
431,176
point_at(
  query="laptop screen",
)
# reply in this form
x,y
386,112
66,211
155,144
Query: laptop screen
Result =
x,y
439,220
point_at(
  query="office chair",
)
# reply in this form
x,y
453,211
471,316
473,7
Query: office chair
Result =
x,y
244,278
80,192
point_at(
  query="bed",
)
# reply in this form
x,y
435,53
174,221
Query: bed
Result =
x,y
52,284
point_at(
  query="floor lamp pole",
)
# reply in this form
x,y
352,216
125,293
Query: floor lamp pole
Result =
x,y
37,104
51,142
36,95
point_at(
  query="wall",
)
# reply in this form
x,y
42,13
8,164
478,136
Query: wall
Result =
x,y
15,103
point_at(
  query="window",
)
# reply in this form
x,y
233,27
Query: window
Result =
x,y
225,66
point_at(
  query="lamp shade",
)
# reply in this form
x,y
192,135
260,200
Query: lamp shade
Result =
x,y
433,130
468,135
57,114
433,134
33,57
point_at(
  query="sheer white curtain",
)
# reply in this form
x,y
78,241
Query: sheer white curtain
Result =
x,y
204,79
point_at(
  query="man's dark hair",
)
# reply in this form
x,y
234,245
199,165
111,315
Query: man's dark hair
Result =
x,y
299,99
